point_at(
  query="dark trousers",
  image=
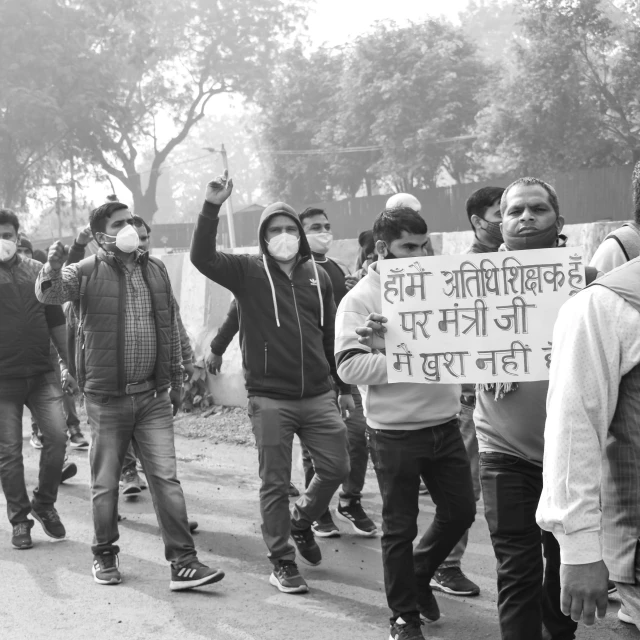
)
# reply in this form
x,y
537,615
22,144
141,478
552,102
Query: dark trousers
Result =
x,y
358,454
320,428
43,395
400,459
528,592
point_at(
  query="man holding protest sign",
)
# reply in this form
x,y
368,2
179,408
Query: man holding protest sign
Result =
x,y
412,432
510,420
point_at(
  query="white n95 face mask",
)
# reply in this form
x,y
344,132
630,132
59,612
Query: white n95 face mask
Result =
x,y
320,242
8,249
127,239
284,246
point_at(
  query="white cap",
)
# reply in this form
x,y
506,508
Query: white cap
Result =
x,y
404,200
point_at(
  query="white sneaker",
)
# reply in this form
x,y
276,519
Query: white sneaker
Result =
x,y
624,616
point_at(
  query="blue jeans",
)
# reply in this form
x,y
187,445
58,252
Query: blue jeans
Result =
x,y
400,459
146,420
43,395
528,591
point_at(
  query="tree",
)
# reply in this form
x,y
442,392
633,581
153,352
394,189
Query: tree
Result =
x,y
573,99
45,60
294,106
162,62
411,90
191,166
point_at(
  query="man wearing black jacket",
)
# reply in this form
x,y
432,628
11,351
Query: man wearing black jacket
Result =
x,y
287,316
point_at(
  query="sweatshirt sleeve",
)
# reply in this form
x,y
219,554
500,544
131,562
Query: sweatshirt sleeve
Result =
x,y
229,328
595,343
76,253
356,363
226,269
329,329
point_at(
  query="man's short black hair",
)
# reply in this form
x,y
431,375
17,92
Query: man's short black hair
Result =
x,y
141,222
309,212
9,217
390,224
479,201
635,181
99,216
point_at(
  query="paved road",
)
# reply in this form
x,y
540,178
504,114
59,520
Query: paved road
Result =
x,y
48,591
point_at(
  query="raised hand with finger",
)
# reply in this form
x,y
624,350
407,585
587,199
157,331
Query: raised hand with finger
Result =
x,y
219,190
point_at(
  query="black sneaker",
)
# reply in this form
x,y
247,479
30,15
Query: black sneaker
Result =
x,y
50,520
68,471
105,568
427,603
325,527
307,546
193,525
287,578
130,483
21,538
77,440
406,630
355,515
452,580
192,575
293,491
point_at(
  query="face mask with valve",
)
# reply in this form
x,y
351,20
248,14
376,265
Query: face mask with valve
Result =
x,y
284,246
127,239
320,242
8,249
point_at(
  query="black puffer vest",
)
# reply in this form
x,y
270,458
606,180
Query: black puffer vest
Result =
x,y
101,323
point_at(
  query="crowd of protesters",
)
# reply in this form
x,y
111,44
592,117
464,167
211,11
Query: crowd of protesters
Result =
x,y
555,461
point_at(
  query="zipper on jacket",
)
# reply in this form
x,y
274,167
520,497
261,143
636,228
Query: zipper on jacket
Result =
x,y
266,357
295,304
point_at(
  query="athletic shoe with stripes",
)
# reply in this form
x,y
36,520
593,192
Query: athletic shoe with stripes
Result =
x,y
192,575
287,578
105,568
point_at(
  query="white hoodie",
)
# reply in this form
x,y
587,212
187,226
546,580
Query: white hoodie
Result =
x,y
401,406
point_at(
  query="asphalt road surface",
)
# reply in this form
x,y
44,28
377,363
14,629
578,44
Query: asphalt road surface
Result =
x,y
48,591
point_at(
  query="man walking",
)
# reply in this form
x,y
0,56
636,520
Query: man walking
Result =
x,y
287,313
483,211
412,432
27,378
129,366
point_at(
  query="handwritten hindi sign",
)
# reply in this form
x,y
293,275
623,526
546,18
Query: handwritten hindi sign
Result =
x,y
476,318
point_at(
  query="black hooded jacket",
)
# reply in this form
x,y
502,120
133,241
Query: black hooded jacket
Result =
x,y
286,323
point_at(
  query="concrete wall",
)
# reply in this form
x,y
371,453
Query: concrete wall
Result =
x,y
204,304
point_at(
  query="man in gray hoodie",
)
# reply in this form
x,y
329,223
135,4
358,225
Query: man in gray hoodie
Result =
x,y
287,315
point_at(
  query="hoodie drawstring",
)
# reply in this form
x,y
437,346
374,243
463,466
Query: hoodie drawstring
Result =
x,y
315,269
273,290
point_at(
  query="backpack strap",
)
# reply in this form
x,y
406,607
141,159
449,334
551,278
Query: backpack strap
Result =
x,y
628,239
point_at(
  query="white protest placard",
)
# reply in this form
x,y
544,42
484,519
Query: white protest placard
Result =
x,y
476,318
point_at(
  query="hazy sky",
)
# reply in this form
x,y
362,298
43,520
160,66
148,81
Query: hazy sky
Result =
x,y
334,21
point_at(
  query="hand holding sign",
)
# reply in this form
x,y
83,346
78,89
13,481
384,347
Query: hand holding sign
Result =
x,y
372,334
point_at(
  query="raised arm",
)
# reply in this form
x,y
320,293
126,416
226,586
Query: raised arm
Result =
x,y
57,284
226,269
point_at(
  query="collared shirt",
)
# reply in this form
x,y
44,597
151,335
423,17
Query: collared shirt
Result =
x,y
140,330
595,343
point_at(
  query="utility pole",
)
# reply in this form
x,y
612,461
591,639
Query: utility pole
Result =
x,y
225,163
